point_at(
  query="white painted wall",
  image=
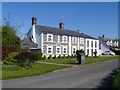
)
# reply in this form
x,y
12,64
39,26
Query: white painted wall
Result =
x,y
90,48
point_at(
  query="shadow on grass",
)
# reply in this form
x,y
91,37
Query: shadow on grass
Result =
x,y
107,82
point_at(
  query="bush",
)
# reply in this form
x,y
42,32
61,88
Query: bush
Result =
x,y
39,55
63,56
68,56
72,55
95,53
50,57
25,59
80,51
54,57
44,57
6,50
10,59
75,56
59,56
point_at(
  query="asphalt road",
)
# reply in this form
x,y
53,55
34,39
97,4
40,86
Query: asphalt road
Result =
x,y
84,76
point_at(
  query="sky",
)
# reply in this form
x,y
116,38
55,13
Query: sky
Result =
x,y
92,18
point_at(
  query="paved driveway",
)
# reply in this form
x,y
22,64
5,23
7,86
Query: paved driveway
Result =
x,y
84,76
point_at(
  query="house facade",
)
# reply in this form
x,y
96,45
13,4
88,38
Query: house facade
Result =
x,y
60,41
107,44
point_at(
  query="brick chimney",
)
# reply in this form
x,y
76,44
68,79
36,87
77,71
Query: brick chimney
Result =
x,y
61,25
103,36
34,20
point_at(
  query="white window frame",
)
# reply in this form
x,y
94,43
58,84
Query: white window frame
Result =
x,y
51,37
74,47
51,49
88,43
92,44
63,37
73,40
95,44
81,40
59,51
63,49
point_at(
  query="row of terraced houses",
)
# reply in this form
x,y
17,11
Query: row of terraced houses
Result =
x,y
61,41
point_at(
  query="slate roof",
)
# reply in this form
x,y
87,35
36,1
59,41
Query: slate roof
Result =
x,y
28,43
47,29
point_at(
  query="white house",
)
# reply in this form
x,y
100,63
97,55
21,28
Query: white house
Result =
x,y
60,41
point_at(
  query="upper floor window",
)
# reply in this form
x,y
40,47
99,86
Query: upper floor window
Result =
x,y
49,37
64,39
91,43
81,40
95,43
74,40
87,43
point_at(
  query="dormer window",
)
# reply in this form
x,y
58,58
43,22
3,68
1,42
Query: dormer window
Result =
x,y
49,37
64,40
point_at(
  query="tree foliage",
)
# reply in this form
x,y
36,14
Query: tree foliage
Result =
x,y
10,41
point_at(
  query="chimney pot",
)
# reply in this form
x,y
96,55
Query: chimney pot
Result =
x,y
34,20
61,25
103,36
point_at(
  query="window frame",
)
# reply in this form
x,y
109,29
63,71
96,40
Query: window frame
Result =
x,y
63,39
95,44
51,49
91,43
51,37
82,39
88,43
74,47
63,49
59,51
74,39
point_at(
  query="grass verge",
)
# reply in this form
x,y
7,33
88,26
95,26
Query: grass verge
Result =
x,y
14,71
88,60
116,80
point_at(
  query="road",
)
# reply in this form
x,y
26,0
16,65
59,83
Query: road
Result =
x,y
83,76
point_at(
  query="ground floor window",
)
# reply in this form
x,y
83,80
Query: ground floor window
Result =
x,y
87,51
49,49
58,50
74,49
64,49
91,52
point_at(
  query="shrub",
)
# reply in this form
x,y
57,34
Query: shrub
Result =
x,y
50,57
72,55
63,56
10,59
39,55
44,57
54,57
59,56
25,59
75,56
80,51
7,50
68,56
86,55
95,53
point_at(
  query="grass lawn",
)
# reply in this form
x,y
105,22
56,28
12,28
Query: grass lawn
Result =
x,y
14,71
116,81
88,60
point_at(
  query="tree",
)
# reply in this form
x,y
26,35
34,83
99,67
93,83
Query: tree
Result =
x,y
10,41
